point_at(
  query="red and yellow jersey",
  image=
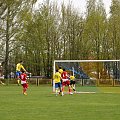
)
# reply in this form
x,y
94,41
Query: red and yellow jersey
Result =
x,y
19,67
57,77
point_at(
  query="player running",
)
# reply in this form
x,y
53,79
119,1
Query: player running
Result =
x,y
65,81
57,79
23,78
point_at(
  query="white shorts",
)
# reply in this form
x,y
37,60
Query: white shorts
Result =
x,y
64,80
23,82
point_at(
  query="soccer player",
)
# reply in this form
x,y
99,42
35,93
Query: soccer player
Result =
x,y
57,79
23,78
19,67
65,81
72,82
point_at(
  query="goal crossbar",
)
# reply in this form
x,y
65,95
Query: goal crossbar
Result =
x,y
86,60
82,61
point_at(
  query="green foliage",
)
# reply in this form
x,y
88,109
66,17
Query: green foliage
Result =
x,y
114,28
52,32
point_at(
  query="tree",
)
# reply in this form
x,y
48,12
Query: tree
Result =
x,y
10,27
71,28
114,29
95,28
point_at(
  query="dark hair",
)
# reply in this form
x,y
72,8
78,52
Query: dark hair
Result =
x,y
57,70
63,69
23,71
60,67
21,61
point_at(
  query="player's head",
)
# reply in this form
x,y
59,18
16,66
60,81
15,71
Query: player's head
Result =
x,y
56,70
23,71
21,62
63,69
60,67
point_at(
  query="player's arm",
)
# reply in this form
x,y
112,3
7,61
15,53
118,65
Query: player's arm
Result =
x,y
26,78
23,68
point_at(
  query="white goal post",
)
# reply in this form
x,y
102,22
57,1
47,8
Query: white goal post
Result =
x,y
78,61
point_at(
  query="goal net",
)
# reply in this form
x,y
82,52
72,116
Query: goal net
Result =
x,y
91,72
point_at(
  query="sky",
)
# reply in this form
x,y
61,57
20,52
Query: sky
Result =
x,y
80,5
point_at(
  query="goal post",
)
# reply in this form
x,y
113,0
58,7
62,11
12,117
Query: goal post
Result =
x,y
102,72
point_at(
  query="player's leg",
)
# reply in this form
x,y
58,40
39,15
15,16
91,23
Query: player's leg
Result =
x,y
27,85
69,87
70,90
24,88
60,88
72,84
56,89
63,85
18,79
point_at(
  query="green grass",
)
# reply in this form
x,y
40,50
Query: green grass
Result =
x,y
41,104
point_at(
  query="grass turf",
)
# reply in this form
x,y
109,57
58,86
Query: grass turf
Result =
x,y
41,104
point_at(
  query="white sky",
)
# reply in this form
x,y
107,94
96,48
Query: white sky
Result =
x,y
80,5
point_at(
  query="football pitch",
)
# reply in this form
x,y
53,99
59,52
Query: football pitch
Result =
x,y
102,103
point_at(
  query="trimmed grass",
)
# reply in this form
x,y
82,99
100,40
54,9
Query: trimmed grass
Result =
x,y
41,104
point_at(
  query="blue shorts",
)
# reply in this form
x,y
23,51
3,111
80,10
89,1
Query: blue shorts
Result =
x,y
18,73
58,85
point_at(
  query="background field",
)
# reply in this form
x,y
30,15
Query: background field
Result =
x,y
42,104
